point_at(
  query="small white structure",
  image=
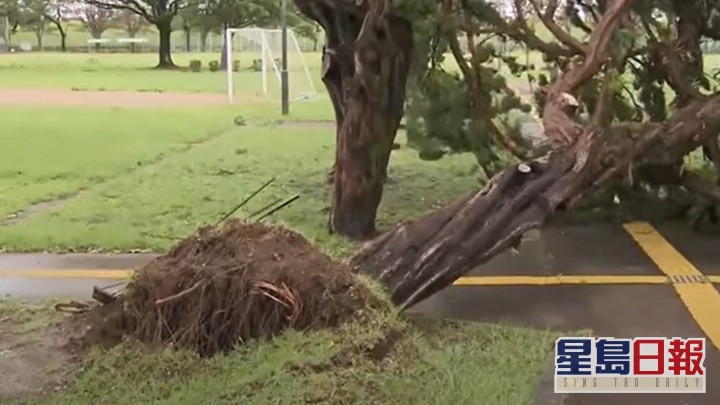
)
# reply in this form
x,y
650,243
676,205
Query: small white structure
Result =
x,y
131,42
266,44
96,42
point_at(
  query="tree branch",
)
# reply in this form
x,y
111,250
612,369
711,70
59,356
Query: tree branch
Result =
x,y
548,19
558,123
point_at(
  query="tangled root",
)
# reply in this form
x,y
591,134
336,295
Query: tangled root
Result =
x,y
224,286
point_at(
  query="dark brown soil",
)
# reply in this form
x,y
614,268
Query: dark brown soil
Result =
x,y
221,287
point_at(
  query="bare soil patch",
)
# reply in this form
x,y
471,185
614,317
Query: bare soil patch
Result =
x,y
37,359
223,286
94,98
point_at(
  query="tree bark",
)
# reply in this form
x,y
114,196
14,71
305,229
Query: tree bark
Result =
x,y
188,31
61,30
365,65
203,39
165,61
223,51
419,258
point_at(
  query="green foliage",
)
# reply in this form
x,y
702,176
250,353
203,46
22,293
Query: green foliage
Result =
x,y
214,66
195,65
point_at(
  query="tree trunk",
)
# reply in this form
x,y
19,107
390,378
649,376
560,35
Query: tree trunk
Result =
x,y
188,31
63,33
223,51
63,40
203,40
40,34
365,66
165,61
417,259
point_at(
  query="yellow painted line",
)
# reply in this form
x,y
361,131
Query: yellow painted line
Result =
x,y
66,273
714,279
559,280
702,300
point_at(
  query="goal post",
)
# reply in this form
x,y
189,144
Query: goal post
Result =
x,y
258,51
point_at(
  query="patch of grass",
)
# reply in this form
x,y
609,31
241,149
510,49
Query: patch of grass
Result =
x,y
23,319
428,362
51,152
152,205
124,71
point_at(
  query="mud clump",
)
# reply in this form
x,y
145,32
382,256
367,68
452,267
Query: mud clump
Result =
x,y
223,286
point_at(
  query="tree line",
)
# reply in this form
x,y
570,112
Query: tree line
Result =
x,y
199,16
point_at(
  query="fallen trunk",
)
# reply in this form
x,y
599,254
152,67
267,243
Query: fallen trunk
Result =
x,y
417,259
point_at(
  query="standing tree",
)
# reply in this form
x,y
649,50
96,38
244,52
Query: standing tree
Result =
x,y
132,24
96,20
159,13
238,14
248,13
33,16
601,99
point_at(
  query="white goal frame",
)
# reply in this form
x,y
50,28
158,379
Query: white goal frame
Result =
x,y
267,58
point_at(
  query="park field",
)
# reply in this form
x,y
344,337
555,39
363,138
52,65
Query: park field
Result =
x,y
103,178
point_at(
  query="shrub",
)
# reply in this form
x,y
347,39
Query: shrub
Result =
x,y
214,65
236,66
195,65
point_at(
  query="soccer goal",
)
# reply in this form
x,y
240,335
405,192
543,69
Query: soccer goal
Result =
x,y
256,64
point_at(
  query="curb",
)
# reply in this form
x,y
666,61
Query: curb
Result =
x,y
544,393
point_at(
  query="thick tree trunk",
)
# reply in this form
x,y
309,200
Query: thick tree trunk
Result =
x,y
165,61
417,259
365,66
223,52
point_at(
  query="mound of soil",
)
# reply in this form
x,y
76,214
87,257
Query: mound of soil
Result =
x,y
223,286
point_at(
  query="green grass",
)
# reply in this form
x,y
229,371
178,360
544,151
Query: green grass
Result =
x,y
51,152
432,363
133,72
143,208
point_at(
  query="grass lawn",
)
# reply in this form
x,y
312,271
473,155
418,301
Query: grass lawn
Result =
x,y
143,208
124,71
51,152
432,362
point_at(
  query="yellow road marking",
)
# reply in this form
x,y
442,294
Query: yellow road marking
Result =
x,y
559,280
462,281
66,273
702,300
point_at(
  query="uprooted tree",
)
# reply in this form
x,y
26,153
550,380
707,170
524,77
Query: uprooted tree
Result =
x,y
604,114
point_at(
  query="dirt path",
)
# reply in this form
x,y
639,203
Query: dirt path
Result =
x,y
61,97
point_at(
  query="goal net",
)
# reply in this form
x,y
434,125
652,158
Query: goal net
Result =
x,y
256,64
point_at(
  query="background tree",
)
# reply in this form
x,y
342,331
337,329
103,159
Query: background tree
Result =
x,y
247,13
11,10
96,20
132,23
159,13
33,16
57,12
600,96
